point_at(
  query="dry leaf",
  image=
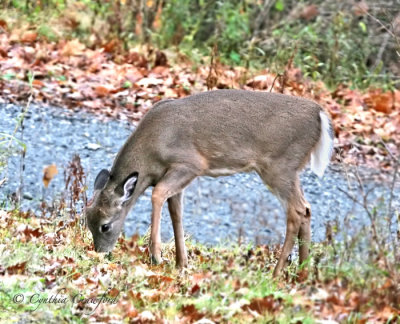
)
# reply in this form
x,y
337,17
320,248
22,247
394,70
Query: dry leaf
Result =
x,y
18,268
48,174
101,91
309,12
29,37
261,305
73,48
382,102
3,24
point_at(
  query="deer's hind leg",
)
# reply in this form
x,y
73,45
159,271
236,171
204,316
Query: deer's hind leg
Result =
x,y
304,235
286,186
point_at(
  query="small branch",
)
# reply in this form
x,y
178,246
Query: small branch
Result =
x,y
273,83
209,80
372,219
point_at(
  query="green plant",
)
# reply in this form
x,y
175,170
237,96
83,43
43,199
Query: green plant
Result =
x,y
203,24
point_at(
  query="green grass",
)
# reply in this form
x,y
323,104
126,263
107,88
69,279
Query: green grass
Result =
x,y
227,283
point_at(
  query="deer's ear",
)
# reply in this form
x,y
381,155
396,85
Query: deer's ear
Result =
x,y
129,186
101,179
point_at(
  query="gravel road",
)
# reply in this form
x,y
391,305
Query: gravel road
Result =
x,y
215,210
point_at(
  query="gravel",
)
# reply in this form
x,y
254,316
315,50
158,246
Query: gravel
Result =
x,y
216,209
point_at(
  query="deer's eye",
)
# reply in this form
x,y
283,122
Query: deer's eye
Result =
x,y
105,228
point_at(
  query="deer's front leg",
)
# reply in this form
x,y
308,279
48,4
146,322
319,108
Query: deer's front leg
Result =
x,y
175,211
157,200
172,183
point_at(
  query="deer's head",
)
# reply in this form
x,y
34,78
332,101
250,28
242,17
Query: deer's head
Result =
x,y
110,205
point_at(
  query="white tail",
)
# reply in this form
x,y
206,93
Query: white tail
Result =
x,y
321,155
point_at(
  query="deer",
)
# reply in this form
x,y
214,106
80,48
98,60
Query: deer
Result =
x,y
214,133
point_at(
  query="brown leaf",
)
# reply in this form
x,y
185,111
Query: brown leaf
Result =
x,y
102,91
92,281
335,299
76,275
114,292
388,284
156,280
38,83
382,102
18,268
30,232
137,59
3,24
195,290
309,12
72,48
50,281
131,312
111,46
302,275
199,277
29,37
48,174
191,312
136,297
261,305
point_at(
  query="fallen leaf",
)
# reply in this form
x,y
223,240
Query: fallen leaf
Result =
x,y
29,37
261,305
38,83
48,174
309,12
195,290
382,102
18,268
114,292
3,24
72,48
191,312
102,91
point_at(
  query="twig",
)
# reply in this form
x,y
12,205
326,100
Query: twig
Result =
x,y
355,200
273,83
386,29
381,23
209,80
372,219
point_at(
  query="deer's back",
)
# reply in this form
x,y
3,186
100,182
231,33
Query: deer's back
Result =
x,y
234,125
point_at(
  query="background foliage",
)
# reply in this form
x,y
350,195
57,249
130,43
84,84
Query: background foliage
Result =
x,y
351,42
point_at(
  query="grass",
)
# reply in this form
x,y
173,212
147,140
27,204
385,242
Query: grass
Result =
x,y
228,283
